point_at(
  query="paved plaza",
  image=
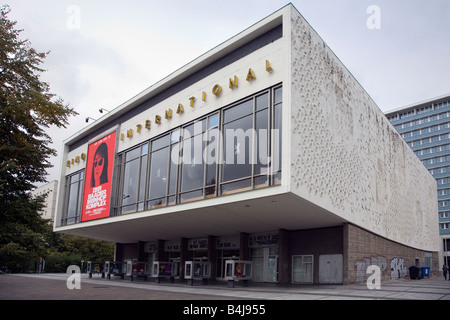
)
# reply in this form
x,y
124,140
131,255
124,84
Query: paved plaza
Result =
x,y
54,287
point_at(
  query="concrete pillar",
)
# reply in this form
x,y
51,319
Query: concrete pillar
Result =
x,y
212,256
345,249
284,258
244,251
184,256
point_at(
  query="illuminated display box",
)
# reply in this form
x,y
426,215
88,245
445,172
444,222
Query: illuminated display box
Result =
x,y
137,269
115,268
197,270
95,268
238,270
165,270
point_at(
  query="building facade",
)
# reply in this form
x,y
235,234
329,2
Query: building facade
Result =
x,y
51,189
425,126
264,150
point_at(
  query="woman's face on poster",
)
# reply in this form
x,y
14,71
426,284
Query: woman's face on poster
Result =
x,y
99,163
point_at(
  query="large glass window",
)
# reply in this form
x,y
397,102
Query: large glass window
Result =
x,y
211,155
173,166
252,143
134,179
159,172
238,138
199,159
74,190
231,150
277,137
262,142
193,166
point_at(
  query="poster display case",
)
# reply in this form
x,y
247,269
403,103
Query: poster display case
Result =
x,y
137,269
115,268
168,270
94,267
197,270
238,270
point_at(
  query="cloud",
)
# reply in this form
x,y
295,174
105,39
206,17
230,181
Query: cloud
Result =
x,y
122,48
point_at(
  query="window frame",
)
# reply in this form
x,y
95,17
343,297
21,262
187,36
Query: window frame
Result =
x,y
79,201
205,191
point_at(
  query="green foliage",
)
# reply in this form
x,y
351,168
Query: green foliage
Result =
x,y
27,109
63,250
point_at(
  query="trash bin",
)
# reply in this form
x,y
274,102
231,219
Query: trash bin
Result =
x,y
425,272
413,272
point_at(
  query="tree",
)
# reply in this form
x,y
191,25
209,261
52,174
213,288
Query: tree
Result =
x,y
27,109
65,250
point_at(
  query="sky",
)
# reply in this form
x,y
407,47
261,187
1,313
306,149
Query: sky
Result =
x,y
103,53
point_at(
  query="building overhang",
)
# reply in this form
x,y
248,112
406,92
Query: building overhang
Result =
x,y
218,217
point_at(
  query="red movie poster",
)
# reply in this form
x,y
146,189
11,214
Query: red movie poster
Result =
x,y
97,186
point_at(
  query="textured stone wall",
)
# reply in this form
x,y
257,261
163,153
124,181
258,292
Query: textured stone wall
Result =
x,y
345,155
364,249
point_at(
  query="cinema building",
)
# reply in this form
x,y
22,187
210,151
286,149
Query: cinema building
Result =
x,y
266,151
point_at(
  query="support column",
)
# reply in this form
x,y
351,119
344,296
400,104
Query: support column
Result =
x,y
141,253
244,251
345,248
118,252
160,251
212,256
184,255
284,258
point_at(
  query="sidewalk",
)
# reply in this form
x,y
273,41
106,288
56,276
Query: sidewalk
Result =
x,y
53,287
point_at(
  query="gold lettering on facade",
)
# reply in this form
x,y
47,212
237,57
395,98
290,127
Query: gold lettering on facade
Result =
x,y
217,90
192,101
250,75
268,67
233,82
83,156
77,159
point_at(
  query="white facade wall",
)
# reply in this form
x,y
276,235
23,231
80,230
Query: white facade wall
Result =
x,y
340,153
51,189
276,53
347,157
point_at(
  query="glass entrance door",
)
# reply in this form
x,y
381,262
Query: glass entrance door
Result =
x,y
265,265
225,255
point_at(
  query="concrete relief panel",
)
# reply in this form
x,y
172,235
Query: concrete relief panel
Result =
x,y
346,157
